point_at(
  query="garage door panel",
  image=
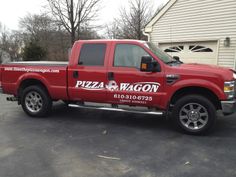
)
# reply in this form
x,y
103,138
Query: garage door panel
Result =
x,y
193,52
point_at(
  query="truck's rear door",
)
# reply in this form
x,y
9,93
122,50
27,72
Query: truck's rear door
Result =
x,y
128,84
88,76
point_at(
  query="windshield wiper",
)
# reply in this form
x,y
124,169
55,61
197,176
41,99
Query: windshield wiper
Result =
x,y
174,62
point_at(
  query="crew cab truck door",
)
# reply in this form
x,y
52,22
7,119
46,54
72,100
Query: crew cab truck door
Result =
x,y
127,84
87,77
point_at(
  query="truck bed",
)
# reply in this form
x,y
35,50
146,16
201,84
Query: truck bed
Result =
x,y
39,63
51,74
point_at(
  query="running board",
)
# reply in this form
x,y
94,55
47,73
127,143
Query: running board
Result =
x,y
159,113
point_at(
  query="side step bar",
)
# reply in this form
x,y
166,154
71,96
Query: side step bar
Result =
x,y
159,113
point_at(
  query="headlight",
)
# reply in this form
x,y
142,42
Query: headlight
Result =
x,y
229,89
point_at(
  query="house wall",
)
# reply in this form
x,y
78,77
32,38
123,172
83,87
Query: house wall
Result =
x,y
200,20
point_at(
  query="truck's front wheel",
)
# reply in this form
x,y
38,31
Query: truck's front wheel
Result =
x,y
35,101
194,114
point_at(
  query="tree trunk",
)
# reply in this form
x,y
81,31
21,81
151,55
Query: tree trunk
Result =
x,y
73,30
72,36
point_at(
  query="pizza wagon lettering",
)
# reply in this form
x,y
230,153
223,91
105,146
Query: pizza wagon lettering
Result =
x,y
90,85
113,86
140,87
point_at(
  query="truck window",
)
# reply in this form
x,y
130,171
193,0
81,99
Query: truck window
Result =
x,y
92,54
127,55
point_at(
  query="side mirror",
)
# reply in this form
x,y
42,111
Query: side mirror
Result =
x,y
149,65
176,58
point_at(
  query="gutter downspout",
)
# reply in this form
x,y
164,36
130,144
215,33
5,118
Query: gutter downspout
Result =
x,y
147,34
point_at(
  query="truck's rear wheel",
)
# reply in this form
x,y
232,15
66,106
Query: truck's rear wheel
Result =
x,y
194,114
35,101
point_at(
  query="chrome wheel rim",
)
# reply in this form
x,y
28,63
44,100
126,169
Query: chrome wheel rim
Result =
x,y
193,116
33,102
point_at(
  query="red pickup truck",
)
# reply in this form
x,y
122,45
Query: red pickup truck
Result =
x,y
127,76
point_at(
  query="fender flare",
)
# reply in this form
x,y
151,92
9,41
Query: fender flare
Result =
x,y
211,86
35,76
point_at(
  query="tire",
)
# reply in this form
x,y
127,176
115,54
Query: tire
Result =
x,y
36,101
194,114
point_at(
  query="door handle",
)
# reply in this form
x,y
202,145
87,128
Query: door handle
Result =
x,y
75,74
110,76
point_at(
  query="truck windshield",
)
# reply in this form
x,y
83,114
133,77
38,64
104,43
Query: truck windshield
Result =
x,y
159,53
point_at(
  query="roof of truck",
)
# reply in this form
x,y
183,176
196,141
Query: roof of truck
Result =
x,y
111,40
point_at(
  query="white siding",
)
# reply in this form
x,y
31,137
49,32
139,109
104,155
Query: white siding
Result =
x,y
200,20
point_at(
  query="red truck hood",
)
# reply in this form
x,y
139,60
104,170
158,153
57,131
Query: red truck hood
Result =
x,y
226,73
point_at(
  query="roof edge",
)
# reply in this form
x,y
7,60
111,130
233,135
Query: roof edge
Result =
x,y
149,26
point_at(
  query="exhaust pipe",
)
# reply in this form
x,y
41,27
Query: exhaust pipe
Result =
x,y
12,99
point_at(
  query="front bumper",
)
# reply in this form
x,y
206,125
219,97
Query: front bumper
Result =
x,y
228,107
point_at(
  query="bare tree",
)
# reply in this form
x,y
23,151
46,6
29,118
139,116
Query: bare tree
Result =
x,y
4,34
73,14
43,31
113,30
15,45
132,20
37,25
9,44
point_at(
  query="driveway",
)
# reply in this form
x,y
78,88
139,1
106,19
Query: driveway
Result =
x,y
88,143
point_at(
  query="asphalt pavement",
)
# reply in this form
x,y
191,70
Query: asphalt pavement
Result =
x,y
89,143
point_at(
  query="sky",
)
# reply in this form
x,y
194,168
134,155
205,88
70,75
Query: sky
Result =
x,y
12,10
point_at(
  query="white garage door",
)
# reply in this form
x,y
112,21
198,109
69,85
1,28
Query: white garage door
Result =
x,y
193,52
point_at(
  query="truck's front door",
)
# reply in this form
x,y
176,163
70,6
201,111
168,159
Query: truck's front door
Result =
x,y
87,77
127,84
